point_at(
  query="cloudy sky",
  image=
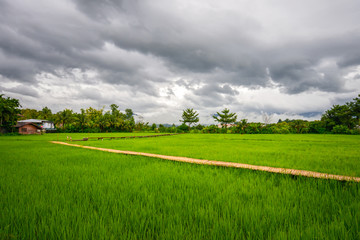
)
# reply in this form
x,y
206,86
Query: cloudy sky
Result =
x,y
285,58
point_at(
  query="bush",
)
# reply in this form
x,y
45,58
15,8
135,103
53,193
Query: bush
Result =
x,y
317,127
340,129
211,129
183,128
355,131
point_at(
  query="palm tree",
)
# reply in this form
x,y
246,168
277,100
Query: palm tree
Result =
x,y
64,117
81,119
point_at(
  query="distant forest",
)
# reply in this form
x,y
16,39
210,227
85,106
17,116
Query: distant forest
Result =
x,y
340,119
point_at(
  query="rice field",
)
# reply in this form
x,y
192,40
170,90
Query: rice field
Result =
x,y
50,191
335,154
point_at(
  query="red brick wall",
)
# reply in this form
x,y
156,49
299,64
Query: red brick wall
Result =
x,y
28,129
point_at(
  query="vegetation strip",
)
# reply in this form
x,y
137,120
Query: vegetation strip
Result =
x,y
147,136
225,164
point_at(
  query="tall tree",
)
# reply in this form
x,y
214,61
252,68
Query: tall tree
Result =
x,y
115,117
225,117
93,117
9,110
129,114
242,125
355,108
80,119
64,117
28,113
46,113
189,117
338,115
114,110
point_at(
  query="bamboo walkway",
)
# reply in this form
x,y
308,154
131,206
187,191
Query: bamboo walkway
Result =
x,y
224,164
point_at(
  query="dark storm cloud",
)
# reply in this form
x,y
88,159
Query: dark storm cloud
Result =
x,y
214,88
103,10
23,90
218,45
242,60
298,77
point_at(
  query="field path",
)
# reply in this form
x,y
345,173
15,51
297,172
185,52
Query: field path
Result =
x,y
224,164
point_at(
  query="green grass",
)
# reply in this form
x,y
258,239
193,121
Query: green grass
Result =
x,y
74,136
336,154
50,191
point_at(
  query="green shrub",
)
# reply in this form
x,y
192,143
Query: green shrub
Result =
x,y
340,129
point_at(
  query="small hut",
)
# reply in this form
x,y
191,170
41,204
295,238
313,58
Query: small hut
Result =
x,y
35,126
28,128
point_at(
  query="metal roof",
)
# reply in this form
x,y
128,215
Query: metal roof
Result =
x,y
24,124
33,121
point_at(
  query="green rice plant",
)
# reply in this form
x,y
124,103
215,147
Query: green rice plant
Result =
x,y
335,154
51,191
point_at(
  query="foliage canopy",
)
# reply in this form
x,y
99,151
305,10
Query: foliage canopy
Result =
x,y
225,117
189,117
9,111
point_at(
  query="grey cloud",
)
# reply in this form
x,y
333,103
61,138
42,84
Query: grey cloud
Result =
x,y
207,43
311,114
300,77
352,60
215,89
90,93
17,69
23,90
213,95
103,10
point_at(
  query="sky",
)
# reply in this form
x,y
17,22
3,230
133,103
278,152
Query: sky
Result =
x,y
280,58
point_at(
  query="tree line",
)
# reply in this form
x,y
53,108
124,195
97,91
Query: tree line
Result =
x,y
342,119
87,120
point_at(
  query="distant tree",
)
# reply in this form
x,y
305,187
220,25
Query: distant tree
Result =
x,y
189,117
64,117
129,118
355,109
114,110
81,119
241,126
161,128
340,129
183,128
225,117
267,118
281,128
129,114
46,114
93,117
9,110
115,118
338,115
199,127
28,113
300,126
153,126
103,121
317,127
142,126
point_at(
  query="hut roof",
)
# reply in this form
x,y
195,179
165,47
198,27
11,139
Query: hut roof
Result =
x,y
21,124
